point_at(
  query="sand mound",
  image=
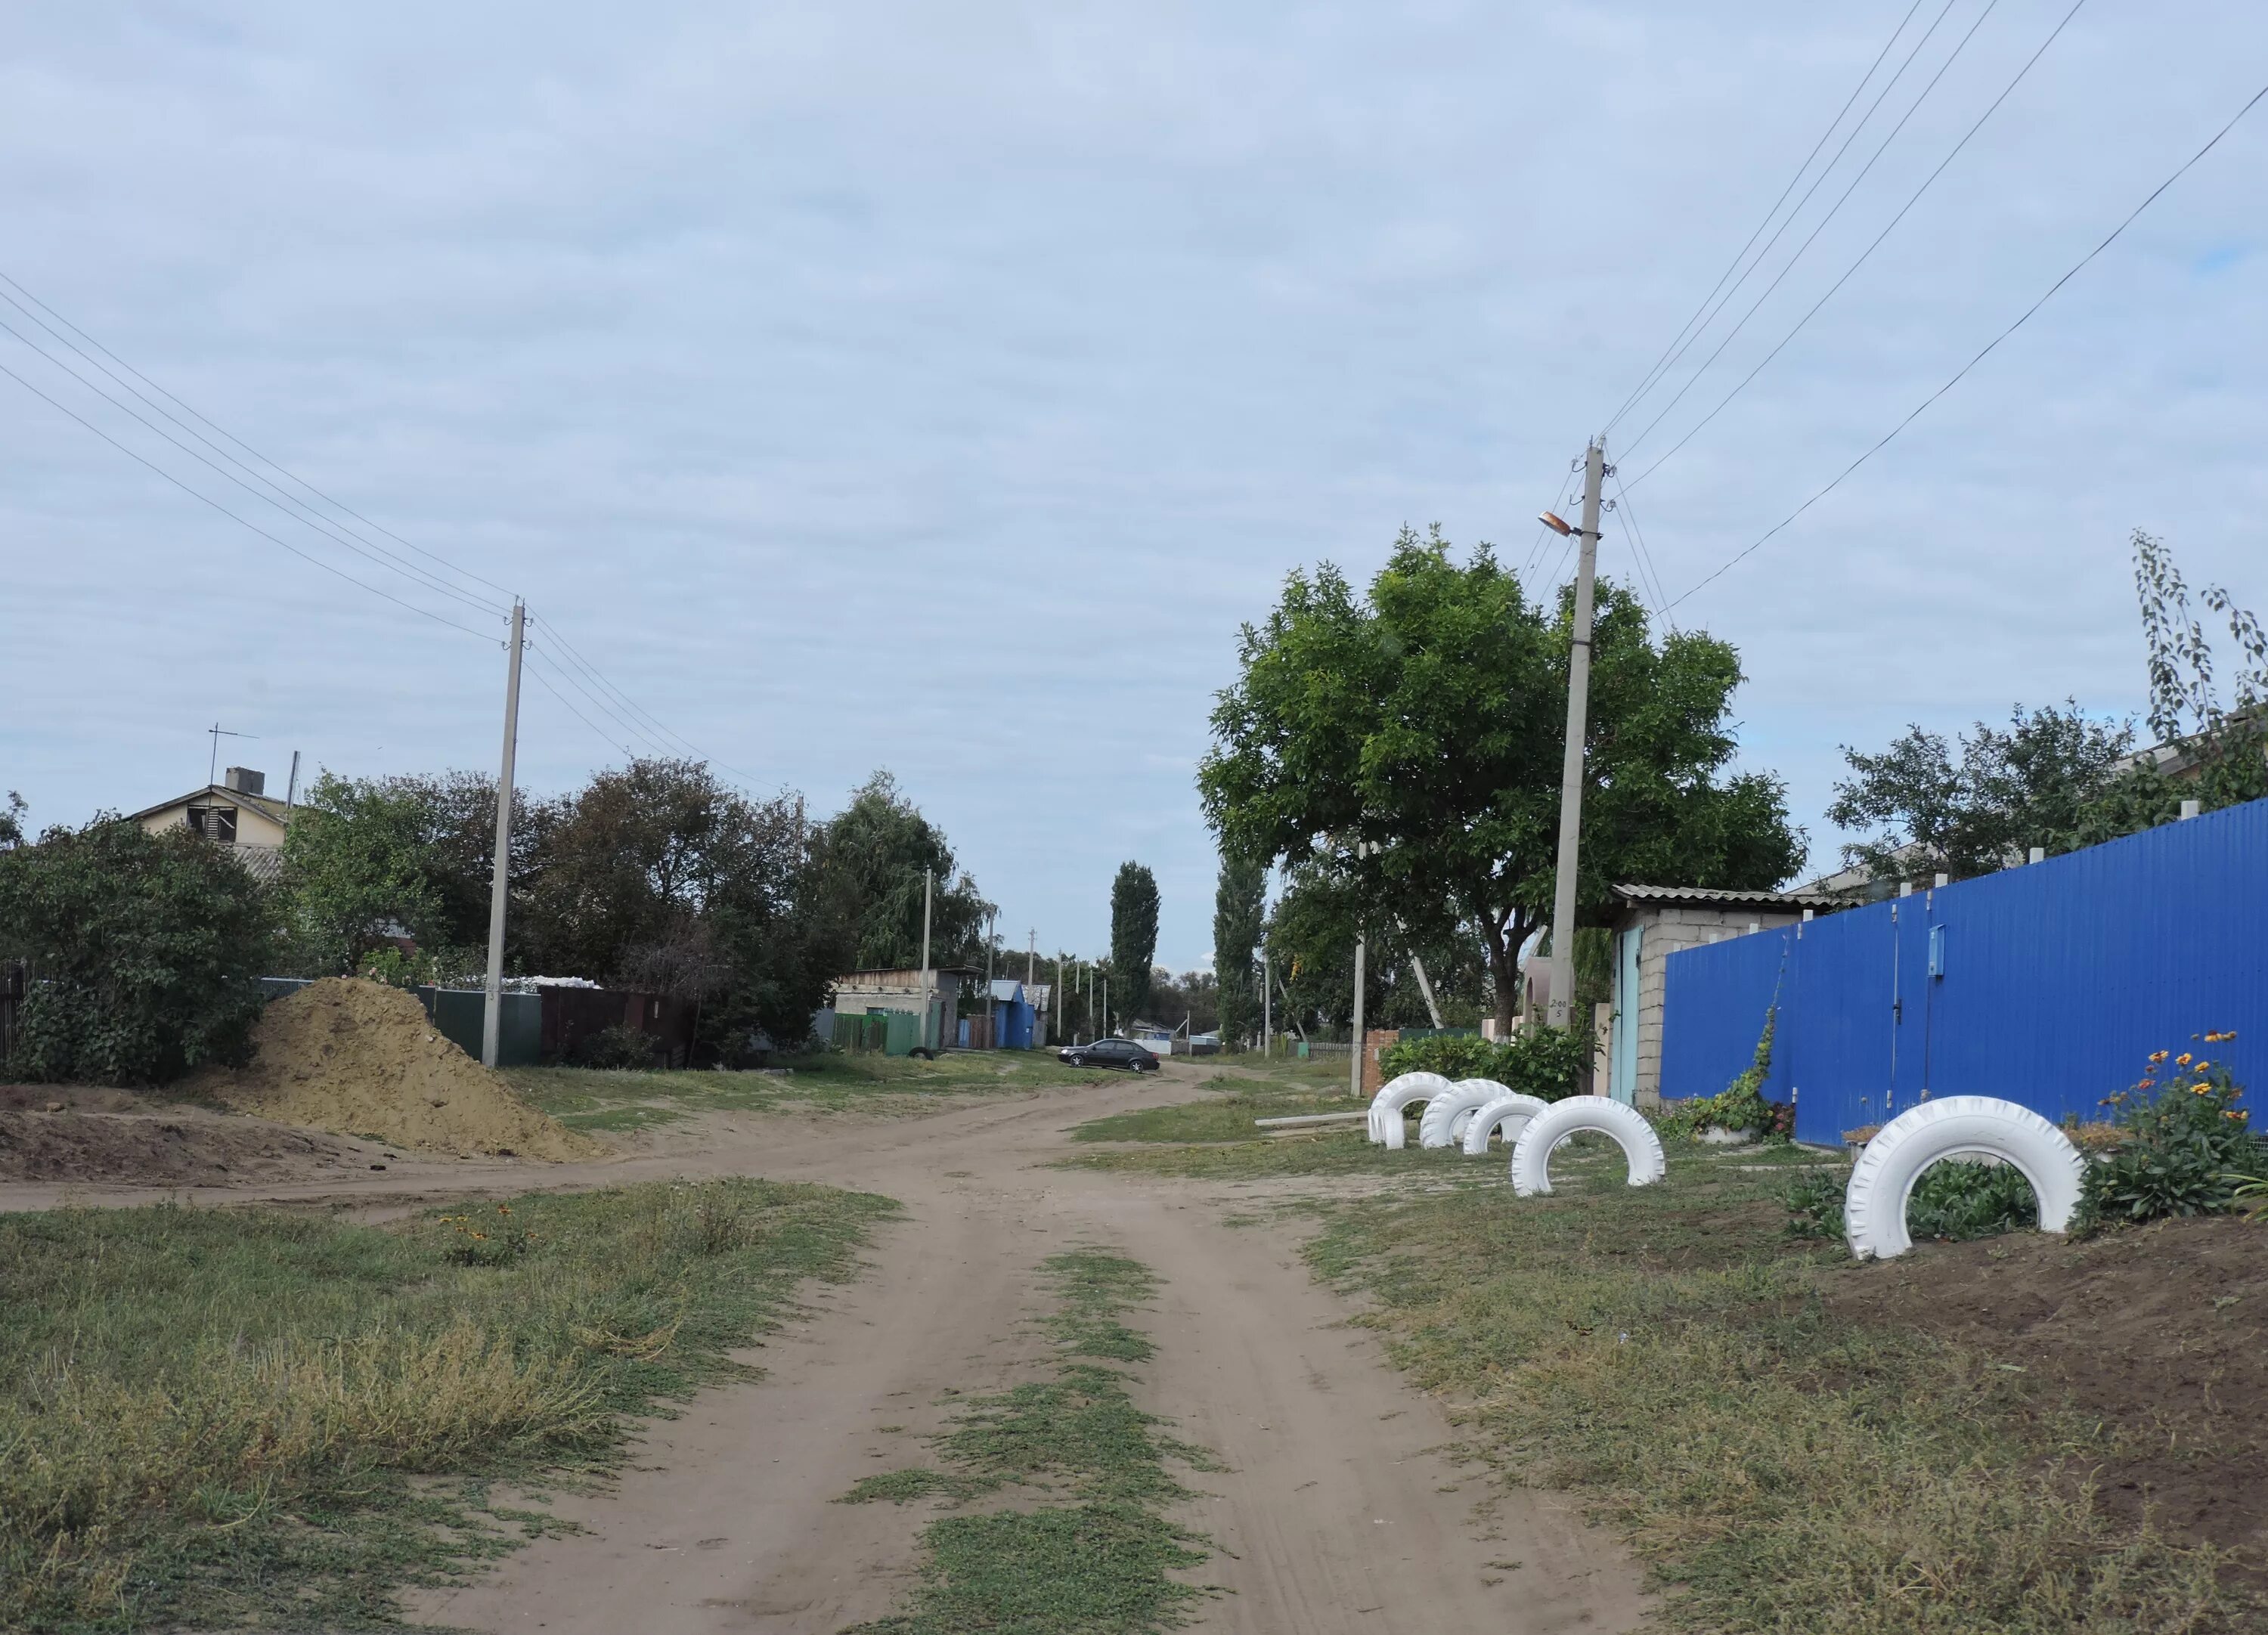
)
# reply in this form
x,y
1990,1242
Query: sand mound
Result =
x,y
361,1059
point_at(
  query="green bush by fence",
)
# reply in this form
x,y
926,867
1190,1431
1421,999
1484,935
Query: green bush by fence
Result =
x,y
1542,1062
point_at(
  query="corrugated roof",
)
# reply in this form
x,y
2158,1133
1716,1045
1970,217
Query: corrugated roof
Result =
x,y
1707,895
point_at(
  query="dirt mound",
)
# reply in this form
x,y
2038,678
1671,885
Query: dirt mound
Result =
x,y
362,1059
2162,1329
159,1146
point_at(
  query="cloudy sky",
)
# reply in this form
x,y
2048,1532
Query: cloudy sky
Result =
x,y
937,387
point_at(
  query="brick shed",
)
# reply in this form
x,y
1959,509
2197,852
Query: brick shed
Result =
x,y
1656,921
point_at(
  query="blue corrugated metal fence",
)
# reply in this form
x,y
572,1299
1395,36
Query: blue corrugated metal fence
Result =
x,y
2045,985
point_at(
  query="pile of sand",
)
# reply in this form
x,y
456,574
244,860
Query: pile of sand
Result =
x,y
361,1059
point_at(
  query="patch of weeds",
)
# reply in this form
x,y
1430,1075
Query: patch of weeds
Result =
x,y
231,1418
1095,1565
1958,1200
1815,1203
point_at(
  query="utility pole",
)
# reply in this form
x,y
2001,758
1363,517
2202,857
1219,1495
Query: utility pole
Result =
x,y
928,986
1354,1056
1267,1002
1106,1008
1031,955
492,1016
1055,1001
1418,969
1579,709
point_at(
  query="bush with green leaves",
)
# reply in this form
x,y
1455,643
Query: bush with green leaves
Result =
x,y
1546,1063
143,952
619,1049
2187,1147
1958,1200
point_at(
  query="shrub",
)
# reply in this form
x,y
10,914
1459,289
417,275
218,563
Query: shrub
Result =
x,y
1958,1201
144,953
617,1048
1815,1203
1546,1063
1739,1106
2188,1146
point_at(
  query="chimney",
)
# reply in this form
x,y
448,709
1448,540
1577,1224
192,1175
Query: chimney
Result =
x,y
245,781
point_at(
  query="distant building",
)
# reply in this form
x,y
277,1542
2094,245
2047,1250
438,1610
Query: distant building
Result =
x,y
236,812
936,992
1656,921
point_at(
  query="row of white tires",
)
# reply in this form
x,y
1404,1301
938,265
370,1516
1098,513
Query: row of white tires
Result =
x,y
1468,1113
1471,1112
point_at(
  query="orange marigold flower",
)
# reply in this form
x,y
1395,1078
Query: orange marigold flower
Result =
x,y
2157,1056
2183,1058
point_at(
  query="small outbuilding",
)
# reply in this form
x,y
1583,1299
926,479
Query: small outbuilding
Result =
x,y
1655,922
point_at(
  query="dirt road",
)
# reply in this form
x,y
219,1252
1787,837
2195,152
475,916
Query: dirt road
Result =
x,y
1331,1513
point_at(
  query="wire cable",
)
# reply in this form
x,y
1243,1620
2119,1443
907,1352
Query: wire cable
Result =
x,y
424,579
1954,153
537,676
1644,556
599,702
1665,361
1817,182
1695,379
1990,346
327,567
232,437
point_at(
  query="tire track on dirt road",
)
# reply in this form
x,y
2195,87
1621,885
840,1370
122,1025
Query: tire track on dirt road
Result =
x,y
1332,1514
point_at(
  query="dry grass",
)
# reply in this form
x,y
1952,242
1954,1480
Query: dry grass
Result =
x,y
215,1418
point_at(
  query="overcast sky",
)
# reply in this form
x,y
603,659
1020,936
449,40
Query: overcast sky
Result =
x,y
937,387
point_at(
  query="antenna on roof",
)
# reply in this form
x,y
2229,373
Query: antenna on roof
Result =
x,y
216,732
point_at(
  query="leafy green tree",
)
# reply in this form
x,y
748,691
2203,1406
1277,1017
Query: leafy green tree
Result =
x,y
870,868
1133,936
144,953
2219,752
363,855
11,823
658,873
1239,906
1934,810
1428,718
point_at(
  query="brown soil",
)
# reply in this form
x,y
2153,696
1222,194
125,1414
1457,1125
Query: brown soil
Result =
x,y
2162,1330
112,1136
361,1059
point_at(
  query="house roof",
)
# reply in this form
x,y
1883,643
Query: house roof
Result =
x,y
1714,897
267,803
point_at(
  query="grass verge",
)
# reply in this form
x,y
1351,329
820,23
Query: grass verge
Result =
x,y
590,1100
1100,1564
1665,1352
234,1420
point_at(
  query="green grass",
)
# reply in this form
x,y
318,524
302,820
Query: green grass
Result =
x,y
1664,1354
247,1419
1099,1565
588,1099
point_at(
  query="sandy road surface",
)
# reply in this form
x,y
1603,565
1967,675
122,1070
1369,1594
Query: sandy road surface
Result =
x,y
1331,1513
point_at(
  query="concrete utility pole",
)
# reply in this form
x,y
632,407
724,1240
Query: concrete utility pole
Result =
x,y
1031,955
1354,1056
1055,1003
1418,969
1267,1002
928,985
492,1015
1579,710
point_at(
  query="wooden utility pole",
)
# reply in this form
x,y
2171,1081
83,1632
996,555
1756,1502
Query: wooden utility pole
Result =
x,y
492,1014
1562,966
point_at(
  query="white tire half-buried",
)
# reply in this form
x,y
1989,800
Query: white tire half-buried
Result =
x,y
1954,1126
1446,1114
1531,1153
1385,1106
1509,1113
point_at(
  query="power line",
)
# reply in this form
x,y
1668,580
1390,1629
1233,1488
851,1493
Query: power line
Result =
x,y
1637,547
423,578
627,753
1990,346
232,437
599,702
1954,153
1781,277
1666,361
233,517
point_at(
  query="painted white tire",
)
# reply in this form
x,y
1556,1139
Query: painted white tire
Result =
x,y
1531,1153
1954,1126
1445,1114
1509,1113
1385,1106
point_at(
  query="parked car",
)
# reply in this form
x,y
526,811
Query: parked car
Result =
x,y
1109,1053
